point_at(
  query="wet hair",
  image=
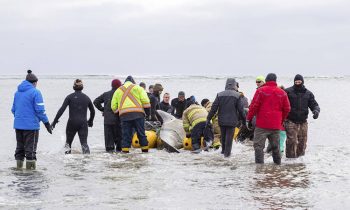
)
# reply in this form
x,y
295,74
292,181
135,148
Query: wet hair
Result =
x,y
78,85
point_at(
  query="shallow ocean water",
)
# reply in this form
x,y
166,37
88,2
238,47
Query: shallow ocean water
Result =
x,y
160,180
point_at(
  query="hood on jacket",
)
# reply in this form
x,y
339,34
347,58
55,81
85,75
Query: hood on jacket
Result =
x,y
231,84
24,86
130,79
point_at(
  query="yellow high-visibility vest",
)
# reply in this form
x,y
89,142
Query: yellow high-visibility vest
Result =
x,y
129,98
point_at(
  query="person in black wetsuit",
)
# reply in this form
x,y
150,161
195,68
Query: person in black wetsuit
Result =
x,y
78,104
179,105
155,99
112,127
165,105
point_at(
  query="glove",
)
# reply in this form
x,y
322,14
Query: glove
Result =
x,y
188,135
316,113
90,123
48,127
53,125
249,125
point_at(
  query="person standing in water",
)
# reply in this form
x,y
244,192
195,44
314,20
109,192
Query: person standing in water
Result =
x,y
78,104
112,128
28,110
132,104
228,105
301,100
178,105
271,106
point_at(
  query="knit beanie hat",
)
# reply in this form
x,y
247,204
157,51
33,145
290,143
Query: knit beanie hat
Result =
x,y
181,93
31,77
204,101
299,77
271,77
78,84
116,83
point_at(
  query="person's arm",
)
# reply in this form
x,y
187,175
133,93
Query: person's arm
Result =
x,y
286,108
254,106
153,101
185,122
39,107
214,109
240,109
92,111
13,109
114,102
144,98
98,102
312,103
61,111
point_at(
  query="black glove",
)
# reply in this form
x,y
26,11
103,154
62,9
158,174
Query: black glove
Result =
x,y
316,113
90,123
48,127
249,125
53,124
188,135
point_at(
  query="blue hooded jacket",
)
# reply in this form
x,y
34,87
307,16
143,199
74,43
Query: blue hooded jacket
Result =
x,y
28,107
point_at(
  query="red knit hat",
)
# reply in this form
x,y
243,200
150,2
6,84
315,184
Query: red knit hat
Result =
x,y
116,83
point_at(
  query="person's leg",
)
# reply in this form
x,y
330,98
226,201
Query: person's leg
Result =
x,y
118,137
109,137
70,133
292,139
260,136
31,142
228,141
208,134
223,137
196,134
283,137
127,131
139,125
83,135
274,137
20,149
302,139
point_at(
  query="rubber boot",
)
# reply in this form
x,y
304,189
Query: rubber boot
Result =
x,y
30,164
20,164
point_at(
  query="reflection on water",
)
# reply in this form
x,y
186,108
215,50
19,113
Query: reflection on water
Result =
x,y
29,184
280,187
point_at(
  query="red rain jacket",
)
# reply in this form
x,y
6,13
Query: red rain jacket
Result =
x,y
270,105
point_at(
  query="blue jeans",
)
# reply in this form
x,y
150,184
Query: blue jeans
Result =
x,y
128,128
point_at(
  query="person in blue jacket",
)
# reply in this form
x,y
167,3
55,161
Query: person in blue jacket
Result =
x,y
28,110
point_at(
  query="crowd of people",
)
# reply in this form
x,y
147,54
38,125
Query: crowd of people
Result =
x,y
275,113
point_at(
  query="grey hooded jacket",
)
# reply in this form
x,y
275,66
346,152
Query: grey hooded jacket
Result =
x,y
229,105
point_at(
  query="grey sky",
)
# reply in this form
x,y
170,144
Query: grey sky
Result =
x,y
175,37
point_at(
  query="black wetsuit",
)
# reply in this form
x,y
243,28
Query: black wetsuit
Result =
x,y
154,99
178,107
166,107
112,127
78,104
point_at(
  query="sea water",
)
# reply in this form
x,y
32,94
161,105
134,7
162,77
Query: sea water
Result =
x,y
160,180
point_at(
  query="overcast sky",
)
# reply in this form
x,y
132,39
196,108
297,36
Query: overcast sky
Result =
x,y
148,37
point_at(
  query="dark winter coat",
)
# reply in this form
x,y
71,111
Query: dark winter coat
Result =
x,y
301,99
229,105
109,117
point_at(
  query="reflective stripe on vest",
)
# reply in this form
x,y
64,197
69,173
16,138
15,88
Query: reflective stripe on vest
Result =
x,y
126,94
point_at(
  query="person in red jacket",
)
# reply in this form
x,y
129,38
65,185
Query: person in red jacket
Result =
x,y
271,106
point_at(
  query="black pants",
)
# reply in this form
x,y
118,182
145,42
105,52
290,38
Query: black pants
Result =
x,y
27,141
198,132
113,138
226,139
82,130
